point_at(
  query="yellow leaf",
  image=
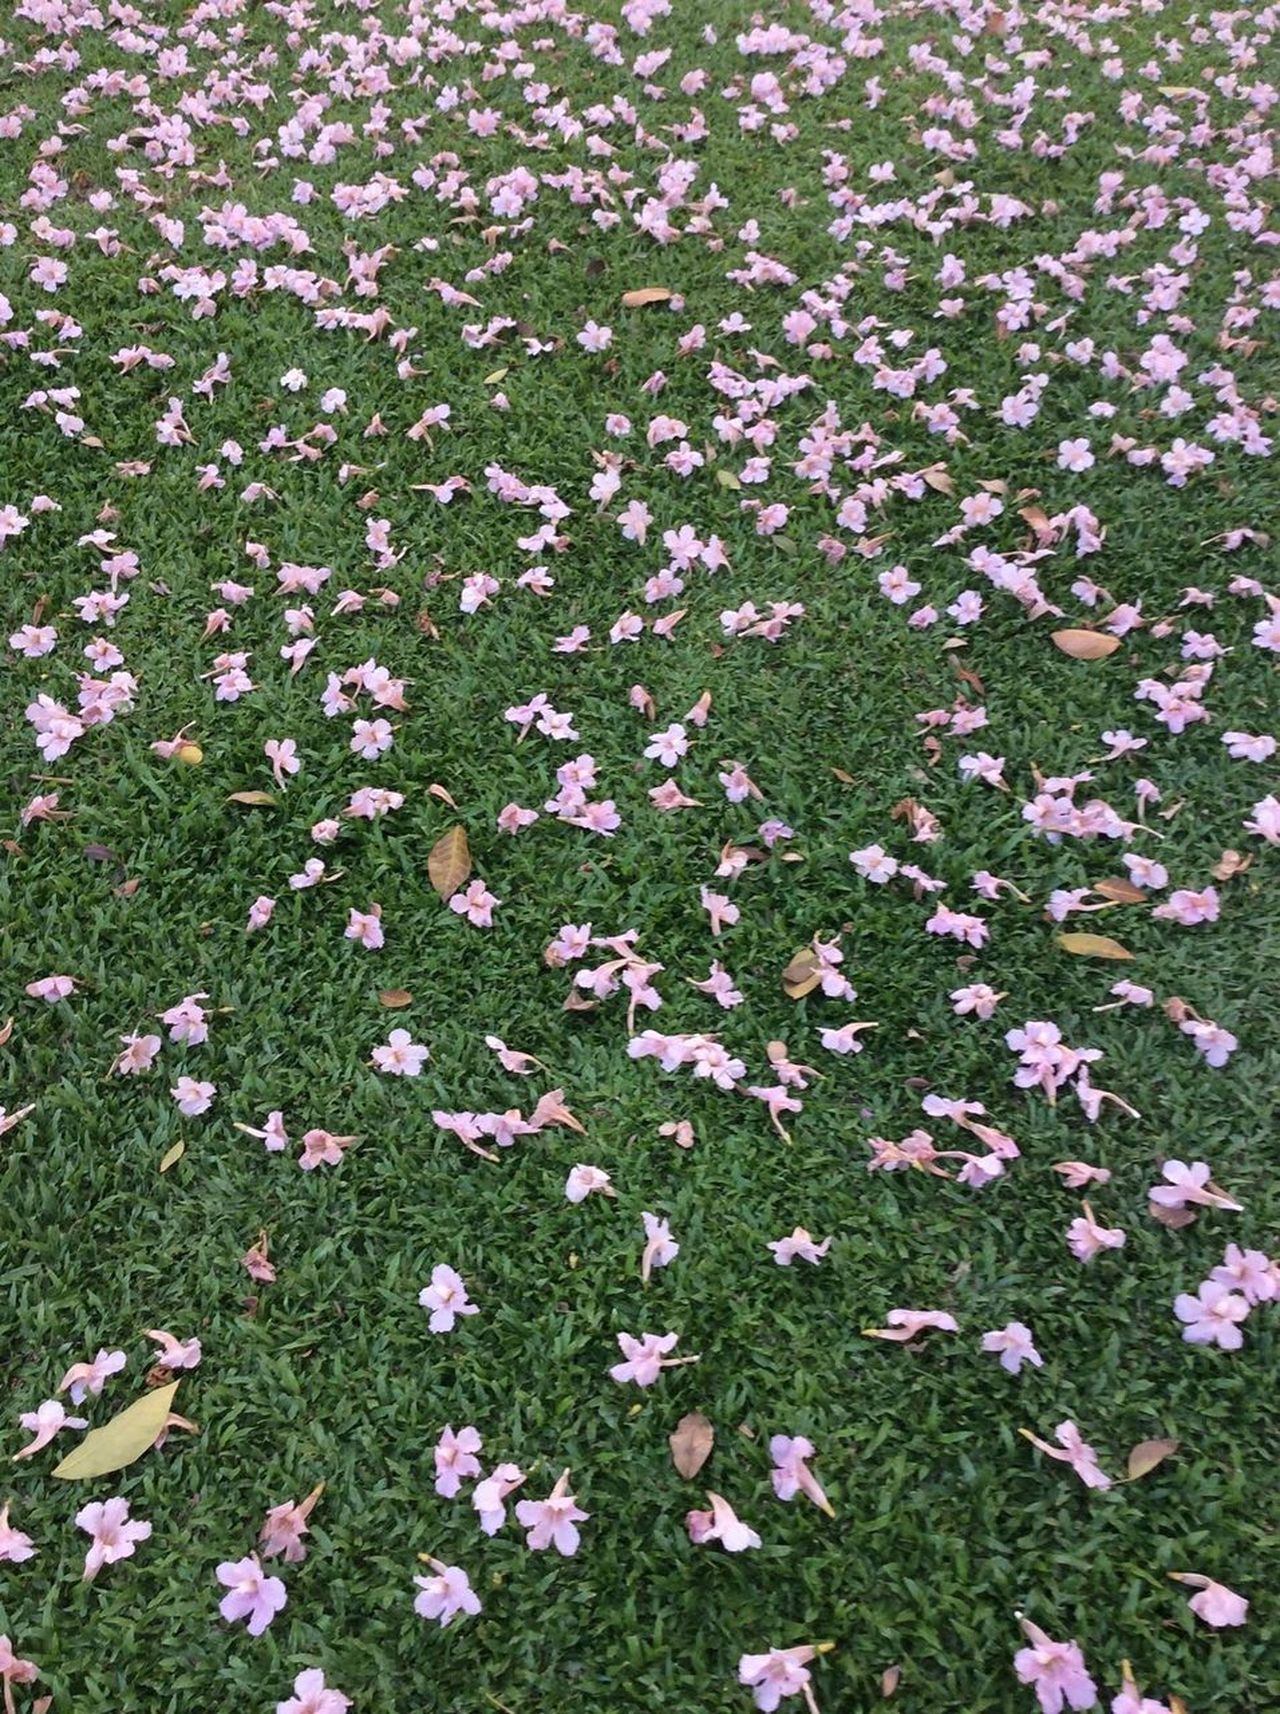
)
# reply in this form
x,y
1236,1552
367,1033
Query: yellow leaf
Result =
x,y
1121,892
190,755
1093,946
727,479
118,1442
263,800
1086,645
691,1443
394,998
802,975
449,862
172,1156
1147,1454
493,379
646,295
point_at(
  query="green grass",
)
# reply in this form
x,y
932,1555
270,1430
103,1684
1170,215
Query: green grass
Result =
x,y
948,1522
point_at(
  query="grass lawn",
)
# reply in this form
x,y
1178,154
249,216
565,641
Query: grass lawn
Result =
x,y
958,304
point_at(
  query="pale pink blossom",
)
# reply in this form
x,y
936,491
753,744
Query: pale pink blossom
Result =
x,y
1212,1316
1057,1671
138,1053
86,1380
779,1673
322,1148
1215,1603
1072,1450
645,1358
906,1324
48,1420
791,1474
455,1459
311,1695
446,1298
489,1496
785,1250
401,1056
552,1522
1190,1185
1249,1272
1014,1344
115,1534
51,988
193,1097
720,1524
285,1525
251,1594
15,1547
583,1180
446,1594
365,928
1087,1239
175,1353
476,903
660,1248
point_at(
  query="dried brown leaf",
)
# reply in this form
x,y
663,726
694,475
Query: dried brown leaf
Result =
x,y
845,779
1086,645
1121,892
802,975
100,854
939,479
691,1443
1231,863
1174,1218
126,889
643,295
1093,946
449,861
442,794
1147,1454
394,998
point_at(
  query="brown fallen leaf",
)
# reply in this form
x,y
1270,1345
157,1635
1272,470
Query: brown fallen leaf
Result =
x,y
939,479
1231,863
1093,946
1147,1454
844,778
255,800
889,1680
1174,1218
1086,645
100,854
394,998
691,1442
802,975
642,295
126,889
442,794
449,861
1121,892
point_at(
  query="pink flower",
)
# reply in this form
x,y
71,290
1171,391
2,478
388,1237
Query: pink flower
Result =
x,y
1212,1316
1215,1604
1189,908
552,1522
446,1298
1249,1272
489,1496
15,1547
401,1056
1077,1174
138,1054
193,1097
187,1021
260,913
456,1460
785,1250
1072,1450
175,1353
14,1671
311,1695
905,1324
1189,1184
90,1378
322,1148
282,754
582,1180
48,1420
646,1357
365,928
721,1524
791,1474
115,1534
477,904
273,1133
1013,1342
722,911
51,988
1086,1238
446,1594
1056,1669
779,1673
660,1247
252,1595
285,1525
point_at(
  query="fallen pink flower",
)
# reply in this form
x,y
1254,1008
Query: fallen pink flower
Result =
x,y
720,1524
48,1420
1190,1185
446,1298
115,1534
646,1357
445,1595
785,1250
15,1547
1212,1316
1057,1671
311,1695
791,1474
88,1379
285,1525
1072,1450
552,1522
1215,1604
779,1673
251,1594
905,1324
175,1353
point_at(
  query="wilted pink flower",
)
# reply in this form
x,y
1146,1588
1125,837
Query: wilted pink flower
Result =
x,y
582,1180
51,988
1014,1344
785,1250
446,1298
779,1673
1086,1238
791,1474
446,1594
256,1262
720,1524
83,1379
285,1525
251,1594
14,1671
48,1420
1212,1316
175,1353
1057,1671
489,1496
660,1247
1215,1604
1077,1174
138,1053
1072,1450
311,1695
455,1457
905,1324
15,1547
552,1522
260,913
273,1133
322,1148
115,1534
